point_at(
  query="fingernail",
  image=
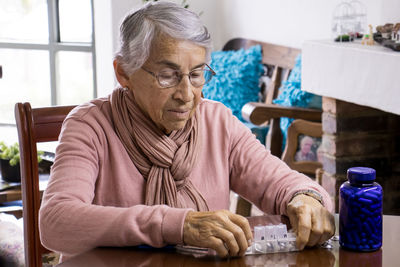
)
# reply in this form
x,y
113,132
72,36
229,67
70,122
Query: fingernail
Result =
x,y
249,242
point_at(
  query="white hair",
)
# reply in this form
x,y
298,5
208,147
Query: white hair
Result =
x,y
140,28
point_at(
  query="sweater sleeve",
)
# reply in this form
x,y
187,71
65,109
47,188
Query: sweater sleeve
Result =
x,y
70,223
262,178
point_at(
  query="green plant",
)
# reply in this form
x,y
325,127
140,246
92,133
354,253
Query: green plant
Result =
x,y
11,153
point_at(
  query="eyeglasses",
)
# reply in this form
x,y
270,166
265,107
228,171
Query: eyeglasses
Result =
x,y
169,78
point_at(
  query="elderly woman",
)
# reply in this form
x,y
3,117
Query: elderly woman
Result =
x,y
154,163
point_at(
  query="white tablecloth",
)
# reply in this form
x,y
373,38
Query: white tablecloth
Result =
x,y
360,74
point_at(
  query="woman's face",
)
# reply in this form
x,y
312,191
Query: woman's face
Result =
x,y
306,145
169,108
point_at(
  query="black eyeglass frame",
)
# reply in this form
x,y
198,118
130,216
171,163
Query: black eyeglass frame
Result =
x,y
180,76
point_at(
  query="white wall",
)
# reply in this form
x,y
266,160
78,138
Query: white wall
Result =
x,y
104,47
290,22
285,22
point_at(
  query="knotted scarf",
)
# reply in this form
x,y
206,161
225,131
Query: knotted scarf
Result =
x,y
164,161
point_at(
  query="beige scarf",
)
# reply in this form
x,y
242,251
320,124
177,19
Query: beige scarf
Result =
x,y
164,161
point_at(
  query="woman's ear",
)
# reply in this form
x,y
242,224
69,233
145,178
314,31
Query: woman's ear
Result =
x,y
122,77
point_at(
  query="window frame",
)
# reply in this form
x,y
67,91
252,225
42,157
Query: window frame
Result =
x,y
54,46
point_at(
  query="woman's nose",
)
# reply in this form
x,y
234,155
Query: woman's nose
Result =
x,y
184,89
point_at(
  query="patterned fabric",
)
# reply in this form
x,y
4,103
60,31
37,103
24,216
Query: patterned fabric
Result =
x,y
237,78
290,94
12,244
11,241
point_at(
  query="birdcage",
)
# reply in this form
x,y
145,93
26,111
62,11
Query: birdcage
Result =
x,y
344,22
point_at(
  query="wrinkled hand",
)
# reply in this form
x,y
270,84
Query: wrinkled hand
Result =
x,y
223,231
311,221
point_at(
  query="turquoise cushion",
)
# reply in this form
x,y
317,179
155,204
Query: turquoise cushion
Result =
x,y
237,78
290,94
237,82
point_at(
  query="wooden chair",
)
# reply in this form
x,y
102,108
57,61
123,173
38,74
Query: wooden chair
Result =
x,y
34,126
279,59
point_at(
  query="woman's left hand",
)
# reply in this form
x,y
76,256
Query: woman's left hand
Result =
x,y
311,221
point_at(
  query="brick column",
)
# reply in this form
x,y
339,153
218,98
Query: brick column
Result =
x,y
355,135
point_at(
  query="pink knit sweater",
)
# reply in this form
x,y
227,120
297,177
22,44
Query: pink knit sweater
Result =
x,y
95,194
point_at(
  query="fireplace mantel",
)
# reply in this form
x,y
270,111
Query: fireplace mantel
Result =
x,y
352,72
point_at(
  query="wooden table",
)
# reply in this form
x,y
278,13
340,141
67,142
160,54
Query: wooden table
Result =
x,y
10,195
317,257
15,194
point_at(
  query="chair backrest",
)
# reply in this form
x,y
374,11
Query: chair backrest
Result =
x,y
34,126
279,59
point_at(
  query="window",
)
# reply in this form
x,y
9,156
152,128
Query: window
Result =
x,y
47,54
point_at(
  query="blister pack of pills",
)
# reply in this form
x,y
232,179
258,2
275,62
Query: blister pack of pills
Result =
x,y
272,239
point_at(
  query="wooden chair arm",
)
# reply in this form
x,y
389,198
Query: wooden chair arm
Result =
x,y
258,113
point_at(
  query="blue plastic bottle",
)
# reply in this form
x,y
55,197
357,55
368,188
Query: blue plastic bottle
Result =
x,y
360,211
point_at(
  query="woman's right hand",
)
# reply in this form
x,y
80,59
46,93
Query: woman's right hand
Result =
x,y
225,232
